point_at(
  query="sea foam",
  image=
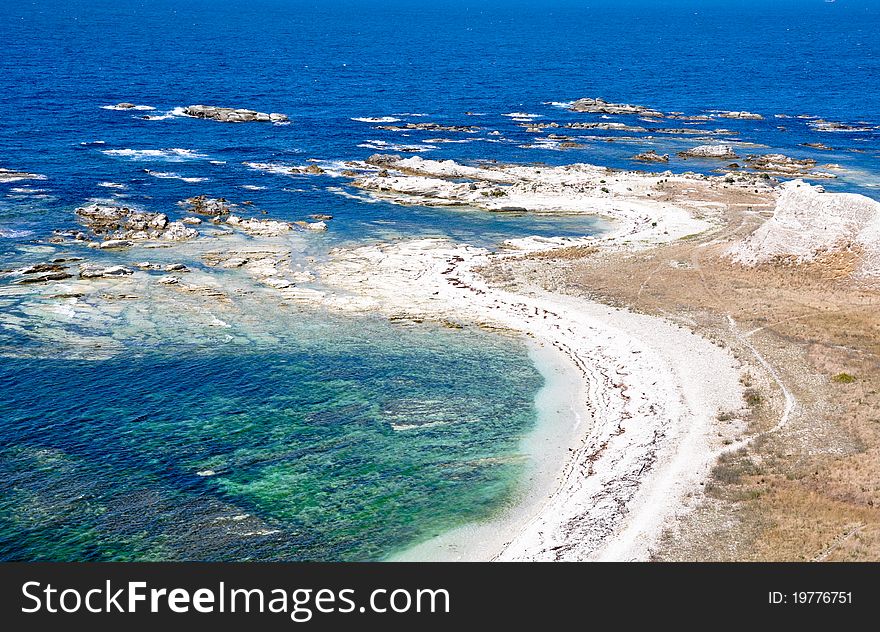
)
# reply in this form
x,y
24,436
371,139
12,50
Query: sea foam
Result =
x,y
160,155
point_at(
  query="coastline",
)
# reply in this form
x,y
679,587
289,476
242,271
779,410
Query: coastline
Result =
x,y
562,419
636,409
652,388
642,379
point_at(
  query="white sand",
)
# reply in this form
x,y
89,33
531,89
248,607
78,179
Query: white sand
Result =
x,y
650,388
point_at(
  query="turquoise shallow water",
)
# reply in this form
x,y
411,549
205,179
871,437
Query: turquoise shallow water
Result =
x,y
346,448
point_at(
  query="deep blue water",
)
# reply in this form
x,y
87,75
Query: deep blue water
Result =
x,y
320,427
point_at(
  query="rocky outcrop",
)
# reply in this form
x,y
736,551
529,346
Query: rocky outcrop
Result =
x,y
233,115
429,127
782,165
178,231
808,222
821,125
166,267
95,271
615,127
740,115
384,160
120,226
203,205
315,226
685,117
600,106
821,146
651,156
724,152
43,272
259,227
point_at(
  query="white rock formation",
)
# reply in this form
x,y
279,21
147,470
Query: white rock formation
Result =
x,y
807,222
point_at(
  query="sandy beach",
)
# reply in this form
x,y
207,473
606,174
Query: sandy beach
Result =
x,y
648,404
640,405
642,395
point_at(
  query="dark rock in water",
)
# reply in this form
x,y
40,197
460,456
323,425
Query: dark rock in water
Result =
x,y
604,125
211,207
782,165
750,116
121,224
46,276
651,156
233,115
314,169
821,125
125,106
43,267
821,146
321,216
429,127
600,106
384,159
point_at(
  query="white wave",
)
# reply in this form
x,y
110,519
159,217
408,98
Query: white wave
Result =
x,y
559,104
271,167
385,146
170,175
544,143
451,140
112,185
412,114
87,143
332,168
142,108
16,176
252,187
522,115
169,114
351,196
162,155
27,190
376,119
12,233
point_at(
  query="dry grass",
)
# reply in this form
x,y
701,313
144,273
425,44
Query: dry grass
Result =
x,y
811,490
569,253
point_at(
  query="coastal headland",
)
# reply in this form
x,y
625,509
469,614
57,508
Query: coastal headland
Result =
x,y
717,341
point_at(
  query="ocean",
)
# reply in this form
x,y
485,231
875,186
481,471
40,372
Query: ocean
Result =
x,y
146,434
